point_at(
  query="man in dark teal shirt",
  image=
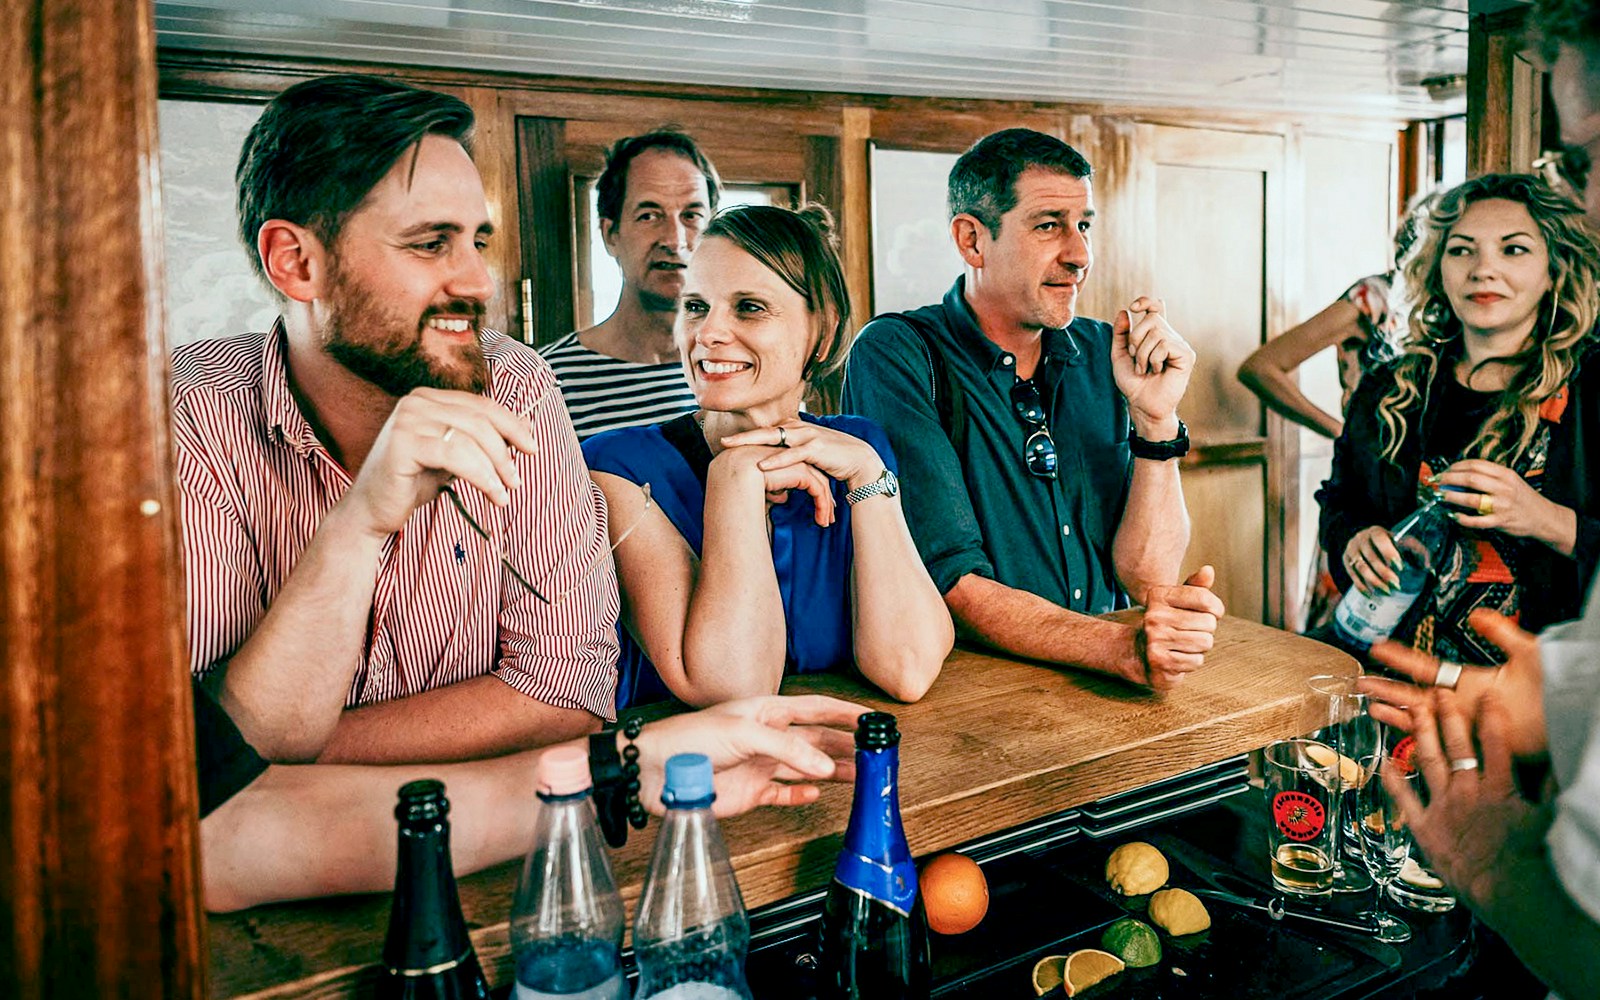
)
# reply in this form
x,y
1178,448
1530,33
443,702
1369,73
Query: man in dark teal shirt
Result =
x,y
1048,490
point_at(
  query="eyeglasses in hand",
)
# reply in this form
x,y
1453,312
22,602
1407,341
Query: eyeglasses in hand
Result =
x,y
505,559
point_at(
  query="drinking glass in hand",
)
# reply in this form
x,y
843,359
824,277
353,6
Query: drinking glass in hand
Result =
x,y
1385,842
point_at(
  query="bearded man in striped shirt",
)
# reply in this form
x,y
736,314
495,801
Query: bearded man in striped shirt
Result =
x,y
340,607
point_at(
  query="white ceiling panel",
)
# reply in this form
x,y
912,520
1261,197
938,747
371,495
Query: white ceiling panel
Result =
x,y
1305,57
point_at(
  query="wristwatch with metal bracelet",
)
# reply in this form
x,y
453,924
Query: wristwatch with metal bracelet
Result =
x,y
886,484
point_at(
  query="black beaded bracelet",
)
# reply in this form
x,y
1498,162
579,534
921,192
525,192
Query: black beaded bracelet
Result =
x,y
616,782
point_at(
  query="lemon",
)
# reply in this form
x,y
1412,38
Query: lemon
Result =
x,y
1088,966
1179,912
1350,774
1048,973
1136,868
1132,941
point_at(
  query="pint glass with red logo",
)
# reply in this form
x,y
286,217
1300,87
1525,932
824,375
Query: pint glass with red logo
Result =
x,y
1302,812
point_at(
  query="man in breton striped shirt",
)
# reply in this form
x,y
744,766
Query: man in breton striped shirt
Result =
x,y
655,195
339,606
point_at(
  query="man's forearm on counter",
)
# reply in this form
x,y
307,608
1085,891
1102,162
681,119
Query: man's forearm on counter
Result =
x,y
1025,624
480,717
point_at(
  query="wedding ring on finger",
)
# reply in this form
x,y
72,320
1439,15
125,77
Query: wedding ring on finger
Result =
x,y
1464,764
449,432
1485,505
783,437
1449,674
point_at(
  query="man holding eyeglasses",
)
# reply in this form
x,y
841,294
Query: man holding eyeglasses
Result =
x,y
339,607
1032,504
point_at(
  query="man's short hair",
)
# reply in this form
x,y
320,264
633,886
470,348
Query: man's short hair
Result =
x,y
321,146
612,187
1575,22
983,183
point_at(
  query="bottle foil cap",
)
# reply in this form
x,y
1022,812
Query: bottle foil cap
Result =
x,y
563,771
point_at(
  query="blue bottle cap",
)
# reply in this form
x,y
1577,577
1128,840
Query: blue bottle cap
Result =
x,y
688,781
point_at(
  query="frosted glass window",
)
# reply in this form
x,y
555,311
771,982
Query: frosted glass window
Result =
x,y
211,290
914,260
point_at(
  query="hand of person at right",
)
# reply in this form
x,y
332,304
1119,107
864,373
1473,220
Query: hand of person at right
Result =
x,y
1179,628
1520,683
433,436
766,751
1373,561
1475,829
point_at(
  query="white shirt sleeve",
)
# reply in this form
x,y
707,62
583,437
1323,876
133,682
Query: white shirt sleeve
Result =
x,y
1570,654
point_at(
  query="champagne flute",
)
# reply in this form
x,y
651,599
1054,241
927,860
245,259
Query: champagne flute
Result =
x,y
1339,713
1385,842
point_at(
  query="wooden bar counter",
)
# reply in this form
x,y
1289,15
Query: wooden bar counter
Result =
x,y
996,743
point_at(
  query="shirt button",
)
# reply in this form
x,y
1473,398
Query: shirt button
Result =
x,y
1077,595
1007,360
1066,529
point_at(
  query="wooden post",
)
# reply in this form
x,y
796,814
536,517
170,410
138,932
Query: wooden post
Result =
x,y
98,852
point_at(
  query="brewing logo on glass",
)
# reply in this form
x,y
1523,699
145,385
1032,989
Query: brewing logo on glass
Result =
x,y
1404,755
1299,816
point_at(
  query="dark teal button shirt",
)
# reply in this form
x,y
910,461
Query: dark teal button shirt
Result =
x,y
982,511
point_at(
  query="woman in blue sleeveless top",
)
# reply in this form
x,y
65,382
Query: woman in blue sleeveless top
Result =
x,y
772,541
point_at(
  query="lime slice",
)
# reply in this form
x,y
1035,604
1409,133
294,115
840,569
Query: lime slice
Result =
x,y
1133,941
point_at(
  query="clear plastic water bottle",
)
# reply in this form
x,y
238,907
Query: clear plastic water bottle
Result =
x,y
691,934
567,921
1423,539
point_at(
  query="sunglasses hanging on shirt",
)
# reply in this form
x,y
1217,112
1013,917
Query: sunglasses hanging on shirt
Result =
x,y
1039,448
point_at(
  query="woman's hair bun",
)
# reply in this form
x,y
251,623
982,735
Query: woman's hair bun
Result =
x,y
819,218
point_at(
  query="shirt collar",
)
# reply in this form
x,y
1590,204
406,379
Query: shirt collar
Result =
x,y
1060,346
283,414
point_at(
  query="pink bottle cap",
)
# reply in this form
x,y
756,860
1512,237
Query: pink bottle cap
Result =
x,y
563,771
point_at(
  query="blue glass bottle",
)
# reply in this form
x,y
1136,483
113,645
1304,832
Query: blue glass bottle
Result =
x,y
1423,539
874,942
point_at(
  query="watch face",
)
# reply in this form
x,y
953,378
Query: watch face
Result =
x,y
891,484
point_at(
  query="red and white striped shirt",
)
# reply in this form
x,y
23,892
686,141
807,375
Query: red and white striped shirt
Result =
x,y
256,482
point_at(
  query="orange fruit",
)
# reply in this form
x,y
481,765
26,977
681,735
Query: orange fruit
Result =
x,y
955,895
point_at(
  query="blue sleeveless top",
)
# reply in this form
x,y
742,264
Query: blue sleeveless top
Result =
x,y
813,563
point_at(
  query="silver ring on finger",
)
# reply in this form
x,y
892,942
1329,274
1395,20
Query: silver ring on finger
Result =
x,y
1449,674
783,437
449,432
1464,764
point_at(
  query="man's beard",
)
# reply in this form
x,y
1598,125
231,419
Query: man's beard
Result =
x,y
377,345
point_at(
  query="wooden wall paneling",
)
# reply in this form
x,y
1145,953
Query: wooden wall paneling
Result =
x,y
823,184
1213,229
855,218
494,150
1497,106
98,853
545,197
1227,502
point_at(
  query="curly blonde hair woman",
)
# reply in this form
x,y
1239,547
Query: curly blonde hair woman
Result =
x,y
1495,398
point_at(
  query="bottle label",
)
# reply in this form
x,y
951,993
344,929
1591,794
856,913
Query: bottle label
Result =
x,y
1369,619
893,885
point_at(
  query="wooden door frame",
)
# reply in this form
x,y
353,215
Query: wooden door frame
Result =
x,y
99,855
